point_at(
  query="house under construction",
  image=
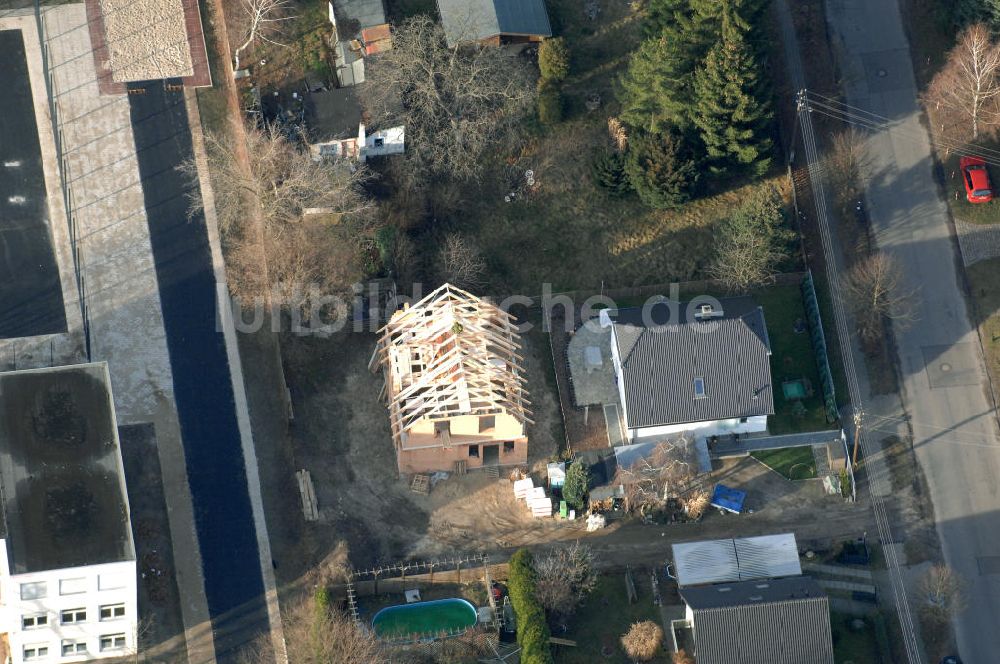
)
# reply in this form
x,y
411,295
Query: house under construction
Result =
x,y
454,384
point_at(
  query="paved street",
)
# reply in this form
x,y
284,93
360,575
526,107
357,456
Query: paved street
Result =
x,y
944,382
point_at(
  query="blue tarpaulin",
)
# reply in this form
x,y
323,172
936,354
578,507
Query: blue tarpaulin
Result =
x,y
728,499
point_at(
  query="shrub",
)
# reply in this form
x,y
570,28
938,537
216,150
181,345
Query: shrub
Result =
x,y
608,169
532,630
660,170
385,242
576,485
553,59
550,104
643,641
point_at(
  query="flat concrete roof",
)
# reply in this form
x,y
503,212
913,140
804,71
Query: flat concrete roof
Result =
x,y
61,471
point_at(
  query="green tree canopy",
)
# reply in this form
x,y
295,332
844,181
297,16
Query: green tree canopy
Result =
x,y
660,170
577,484
731,109
553,59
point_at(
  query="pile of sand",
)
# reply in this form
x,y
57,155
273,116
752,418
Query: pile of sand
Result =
x,y
146,39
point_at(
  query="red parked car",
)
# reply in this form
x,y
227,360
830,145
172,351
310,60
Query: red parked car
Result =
x,y
977,180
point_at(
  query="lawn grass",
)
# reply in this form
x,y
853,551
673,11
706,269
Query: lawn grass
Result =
x,y
794,463
860,647
605,616
792,358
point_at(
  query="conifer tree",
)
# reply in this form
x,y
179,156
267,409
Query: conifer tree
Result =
x,y
730,109
660,170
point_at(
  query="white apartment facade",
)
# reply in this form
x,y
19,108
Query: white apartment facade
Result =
x,y
68,574
69,615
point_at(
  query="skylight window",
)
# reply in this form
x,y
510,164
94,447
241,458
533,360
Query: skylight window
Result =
x,y
699,388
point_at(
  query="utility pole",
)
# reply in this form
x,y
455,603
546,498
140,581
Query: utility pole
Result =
x,y
859,415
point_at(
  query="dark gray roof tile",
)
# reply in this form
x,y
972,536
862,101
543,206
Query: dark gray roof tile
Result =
x,y
777,621
660,364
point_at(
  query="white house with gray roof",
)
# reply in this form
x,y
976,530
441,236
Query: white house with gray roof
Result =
x,y
692,368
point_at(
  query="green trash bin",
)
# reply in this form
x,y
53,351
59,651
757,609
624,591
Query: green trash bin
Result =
x,y
563,509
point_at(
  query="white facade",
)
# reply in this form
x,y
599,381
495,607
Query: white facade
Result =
x,y
87,612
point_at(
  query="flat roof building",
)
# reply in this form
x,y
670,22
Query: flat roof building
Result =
x,y
67,560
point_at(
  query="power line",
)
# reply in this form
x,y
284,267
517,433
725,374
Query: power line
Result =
x,y
847,353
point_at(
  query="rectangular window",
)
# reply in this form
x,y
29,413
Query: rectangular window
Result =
x,y
35,652
112,642
73,647
72,616
36,590
743,420
35,620
73,586
699,387
379,142
111,581
112,611
487,423
474,451
508,447
442,427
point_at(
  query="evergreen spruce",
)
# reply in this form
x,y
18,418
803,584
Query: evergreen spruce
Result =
x,y
731,108
608,169
660,171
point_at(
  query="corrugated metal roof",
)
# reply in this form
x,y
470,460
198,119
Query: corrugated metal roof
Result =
x,y
709,561
660,364
473,20
768,556
783,621
727,560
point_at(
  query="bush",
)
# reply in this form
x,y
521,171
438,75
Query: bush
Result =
x,y
608,169
576,486
532,629
550,105
643,641
385,242
553,59
660,170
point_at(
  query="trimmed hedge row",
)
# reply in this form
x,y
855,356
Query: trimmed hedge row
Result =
x,y
532,630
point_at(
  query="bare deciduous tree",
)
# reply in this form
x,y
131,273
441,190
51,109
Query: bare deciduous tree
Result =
x,y
456,103
751,242
969,83
667,472
262,183
260,19
462,263
942,589
315,634
875,292
565,577
846,161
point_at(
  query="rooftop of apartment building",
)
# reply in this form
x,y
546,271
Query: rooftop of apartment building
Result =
x,y
64,501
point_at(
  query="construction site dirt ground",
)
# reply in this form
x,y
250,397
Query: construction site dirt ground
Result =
x,y
341,436
340,433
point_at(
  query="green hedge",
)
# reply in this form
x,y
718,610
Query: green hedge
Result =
x,y
532,630
819,346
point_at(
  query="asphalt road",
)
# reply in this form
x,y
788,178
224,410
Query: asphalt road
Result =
x,y
201,374
945,390
31,301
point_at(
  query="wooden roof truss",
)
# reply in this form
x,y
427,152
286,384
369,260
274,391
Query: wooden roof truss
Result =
x,y
450,354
